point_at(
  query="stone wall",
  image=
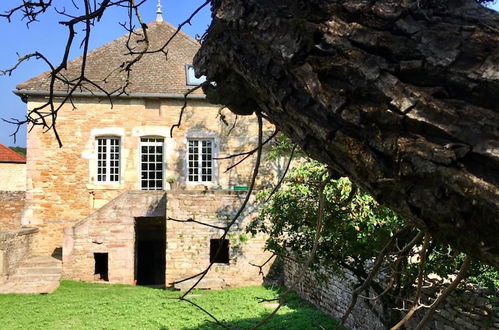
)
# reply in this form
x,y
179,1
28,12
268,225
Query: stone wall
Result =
x,y
109,230
11,208
188,244
331,296
471,308
14,245
12,177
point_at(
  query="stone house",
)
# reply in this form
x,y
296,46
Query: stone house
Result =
x,y
12,187
12,170
120,195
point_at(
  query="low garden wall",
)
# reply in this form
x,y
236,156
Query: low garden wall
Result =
x,y
14,245
471,308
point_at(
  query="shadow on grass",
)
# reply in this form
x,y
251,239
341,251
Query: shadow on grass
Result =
x,y
296,314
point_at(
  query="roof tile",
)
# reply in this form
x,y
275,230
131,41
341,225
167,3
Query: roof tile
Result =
x,y
8,155
154,73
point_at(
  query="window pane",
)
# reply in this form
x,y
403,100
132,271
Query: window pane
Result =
x,y
108,156
199,156
152,163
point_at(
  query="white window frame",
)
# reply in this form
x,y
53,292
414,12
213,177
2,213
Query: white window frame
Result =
x,y
107,175
153,144
200,160
190,76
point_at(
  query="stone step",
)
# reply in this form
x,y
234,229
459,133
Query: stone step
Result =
x,y
26,278
40,264
27,270
36,274
39,288
40,261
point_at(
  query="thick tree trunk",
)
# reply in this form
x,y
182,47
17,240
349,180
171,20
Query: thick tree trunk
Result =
x,y
400,96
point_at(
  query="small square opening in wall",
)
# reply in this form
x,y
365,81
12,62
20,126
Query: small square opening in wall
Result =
x,y
219,251
101,266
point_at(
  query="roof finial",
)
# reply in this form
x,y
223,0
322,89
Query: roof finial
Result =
x,y
159,13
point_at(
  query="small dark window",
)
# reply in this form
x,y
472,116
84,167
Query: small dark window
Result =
x,y
219,251
101,266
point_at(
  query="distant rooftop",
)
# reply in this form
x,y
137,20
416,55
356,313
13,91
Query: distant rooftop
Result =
x,y
8,155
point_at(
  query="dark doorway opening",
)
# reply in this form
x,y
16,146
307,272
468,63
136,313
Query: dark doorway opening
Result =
x,y
150,250
101,266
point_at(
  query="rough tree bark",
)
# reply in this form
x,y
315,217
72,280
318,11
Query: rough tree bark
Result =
x,y
400,96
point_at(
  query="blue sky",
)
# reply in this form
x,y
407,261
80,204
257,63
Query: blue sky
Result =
x,y
48,37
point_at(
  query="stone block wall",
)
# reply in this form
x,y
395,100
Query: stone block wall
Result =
x,y
109,230
188,244
11,208
473,308
12,176
331,296
470,308
61,182
14,245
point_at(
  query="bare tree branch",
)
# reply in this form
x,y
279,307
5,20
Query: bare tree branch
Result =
x,y
190,220
307,263
200,276
260,271
377,265
417,299
460,276
279,183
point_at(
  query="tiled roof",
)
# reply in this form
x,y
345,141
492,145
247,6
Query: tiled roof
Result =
x,y
154,73
8,155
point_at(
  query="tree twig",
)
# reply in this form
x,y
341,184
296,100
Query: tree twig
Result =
x,y
306,265
417,299
463,271
377,265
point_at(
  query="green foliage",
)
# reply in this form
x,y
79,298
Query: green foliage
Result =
x,y
19,150
444,261
355,227
103,306
485,276
281,146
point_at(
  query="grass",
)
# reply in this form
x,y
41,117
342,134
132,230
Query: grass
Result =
x,y
78,305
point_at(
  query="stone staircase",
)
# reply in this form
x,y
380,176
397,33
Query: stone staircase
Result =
x,y
35,274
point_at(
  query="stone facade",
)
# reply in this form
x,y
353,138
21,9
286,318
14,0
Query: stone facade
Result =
x,y
188,244
11,208
109,229
12,176
112,230
14,245
472,308
61,182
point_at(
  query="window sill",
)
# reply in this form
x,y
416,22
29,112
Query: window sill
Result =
x,y
105,186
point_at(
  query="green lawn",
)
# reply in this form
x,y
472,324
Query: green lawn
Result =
x,y
78,305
